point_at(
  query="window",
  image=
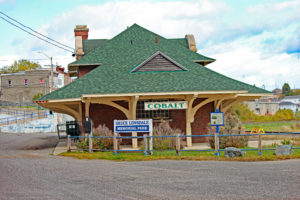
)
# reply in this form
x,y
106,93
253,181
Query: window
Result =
x,y
26,82
9,83
41,81
141,113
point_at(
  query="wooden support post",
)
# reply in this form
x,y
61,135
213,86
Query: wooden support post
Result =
x,y
259,143
217,153
151,144
178,144
145,145
188,132
132,110
90,144
68,143
134,140
115,141
189,119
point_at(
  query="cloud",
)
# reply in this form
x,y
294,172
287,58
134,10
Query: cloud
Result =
x,y
257,47
247,63
169,19
270,15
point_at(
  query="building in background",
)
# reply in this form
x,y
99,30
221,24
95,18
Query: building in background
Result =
x,y
63,78
22,86
264,106
290,102
269,106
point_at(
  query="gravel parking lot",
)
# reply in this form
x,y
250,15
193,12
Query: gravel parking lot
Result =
x,y
28,171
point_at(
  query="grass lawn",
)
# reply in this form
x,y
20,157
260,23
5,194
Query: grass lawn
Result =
x,y
185,155
274,126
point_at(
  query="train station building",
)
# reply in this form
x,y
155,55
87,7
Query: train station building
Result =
x,y
139,74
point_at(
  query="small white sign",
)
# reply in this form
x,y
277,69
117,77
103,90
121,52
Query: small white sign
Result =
x,y
217,119
172,105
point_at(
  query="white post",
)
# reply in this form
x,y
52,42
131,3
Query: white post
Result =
x,y
178,144
115,141
151,138
145,145
68,143
90,144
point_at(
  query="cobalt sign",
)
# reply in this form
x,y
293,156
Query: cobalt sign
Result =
x,y
172,105
126,126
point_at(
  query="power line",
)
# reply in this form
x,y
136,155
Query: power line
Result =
x,y
26,59
36,31
35,35
33,59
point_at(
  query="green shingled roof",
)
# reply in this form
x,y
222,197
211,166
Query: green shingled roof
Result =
x,y
181,41
129,49
91,44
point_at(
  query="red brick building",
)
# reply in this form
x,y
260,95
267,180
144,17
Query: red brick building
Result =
x,y
117,77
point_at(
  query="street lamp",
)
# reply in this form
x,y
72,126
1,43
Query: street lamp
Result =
x,y
51,70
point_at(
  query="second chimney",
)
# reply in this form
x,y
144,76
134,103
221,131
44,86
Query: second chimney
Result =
x,y
81,33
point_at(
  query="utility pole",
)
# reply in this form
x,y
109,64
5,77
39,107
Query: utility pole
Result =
x,y
51,74
51,85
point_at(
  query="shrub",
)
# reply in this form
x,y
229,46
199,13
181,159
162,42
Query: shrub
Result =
x,y
232,126
286,142
164,129
84,144
285,114
103,143
37,95
99,143
246,115
297,115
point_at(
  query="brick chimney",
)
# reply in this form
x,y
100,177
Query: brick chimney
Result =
x,y
191,42
81,33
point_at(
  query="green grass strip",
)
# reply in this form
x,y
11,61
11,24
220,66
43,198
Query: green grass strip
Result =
x,y
268,155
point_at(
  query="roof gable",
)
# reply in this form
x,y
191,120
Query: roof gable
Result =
x,y
159,62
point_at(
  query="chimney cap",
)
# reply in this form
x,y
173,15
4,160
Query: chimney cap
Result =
x,y
81,28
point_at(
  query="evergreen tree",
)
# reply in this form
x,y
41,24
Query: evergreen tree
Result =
x,y
286,89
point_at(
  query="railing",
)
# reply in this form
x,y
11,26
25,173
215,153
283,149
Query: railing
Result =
x,y
20,115
14,104
149,150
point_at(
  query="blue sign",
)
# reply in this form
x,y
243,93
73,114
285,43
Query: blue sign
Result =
x,y
126,126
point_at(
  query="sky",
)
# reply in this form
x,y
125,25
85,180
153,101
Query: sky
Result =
x,y
254,41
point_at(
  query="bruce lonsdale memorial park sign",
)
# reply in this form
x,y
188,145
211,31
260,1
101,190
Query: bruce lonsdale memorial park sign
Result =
x,y
172,105
132,126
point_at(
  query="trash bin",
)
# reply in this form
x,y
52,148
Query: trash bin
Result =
x,y
72,128
87,127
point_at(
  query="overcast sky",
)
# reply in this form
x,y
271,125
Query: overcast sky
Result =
x,y
254,41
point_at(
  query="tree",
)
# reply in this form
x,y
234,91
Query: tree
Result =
x,y
295,92
20,65
37,95
286,89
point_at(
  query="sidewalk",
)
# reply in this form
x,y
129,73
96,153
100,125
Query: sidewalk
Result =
x,y
60,147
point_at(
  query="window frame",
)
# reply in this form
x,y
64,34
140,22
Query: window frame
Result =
x,y
141,113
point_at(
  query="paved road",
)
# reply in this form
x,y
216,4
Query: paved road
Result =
x,y
27,171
